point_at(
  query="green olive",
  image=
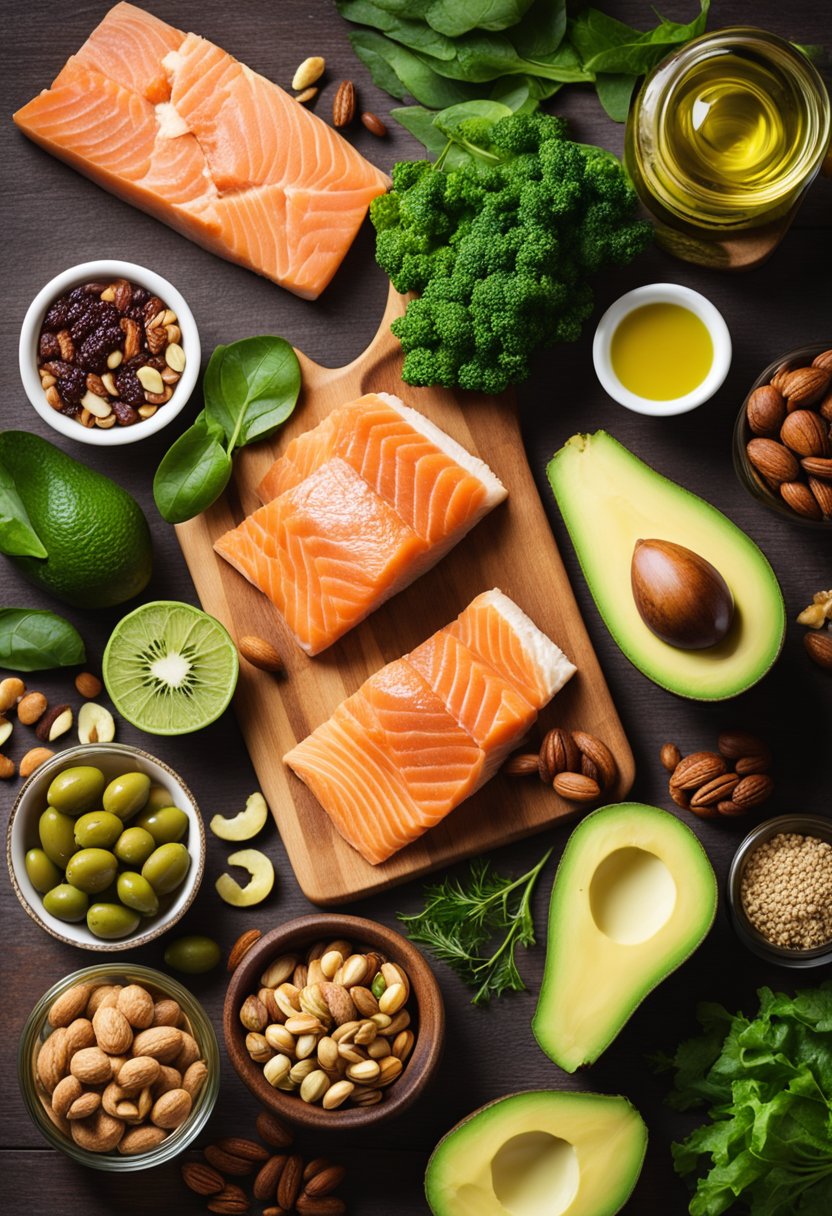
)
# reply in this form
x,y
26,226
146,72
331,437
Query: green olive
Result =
x,y
134,846
158,798
193,954
91,870
76,790
166,825
97,830
42,871
112,920
137,893
126,795
66,902
166,867
57,836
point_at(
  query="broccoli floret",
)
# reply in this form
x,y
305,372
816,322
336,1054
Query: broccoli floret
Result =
x,y
502,254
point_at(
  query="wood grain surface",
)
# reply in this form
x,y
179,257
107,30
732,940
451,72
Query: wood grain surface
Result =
x,y
53,218
275,714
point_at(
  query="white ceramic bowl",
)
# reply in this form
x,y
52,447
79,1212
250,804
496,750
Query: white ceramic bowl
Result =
x,y
22,835
662,293
107,270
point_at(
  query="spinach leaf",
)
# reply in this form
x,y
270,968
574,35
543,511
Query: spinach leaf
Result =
x,y
31,640
403,73
455,17
413,34
614,91
541,31
439,130
17,536
250,388
607,45
193,472
450,121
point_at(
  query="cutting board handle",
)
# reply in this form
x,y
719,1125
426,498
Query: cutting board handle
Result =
x,y
383,355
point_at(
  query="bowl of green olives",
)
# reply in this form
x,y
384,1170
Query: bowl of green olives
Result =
x,y
105,847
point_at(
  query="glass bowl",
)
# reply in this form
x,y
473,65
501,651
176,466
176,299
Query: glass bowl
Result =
x,y
804,825
37,1030
747,474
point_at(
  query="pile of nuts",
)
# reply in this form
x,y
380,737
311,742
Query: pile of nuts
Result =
x,y
284,1180
306,84
332,1028
792,450
728,782
95,722
817,617
109,353
578,766
120,1068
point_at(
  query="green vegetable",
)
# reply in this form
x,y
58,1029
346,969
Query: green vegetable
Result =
x,y
438,53
34,640
250,389
458,921
767,1082
500,247
17,536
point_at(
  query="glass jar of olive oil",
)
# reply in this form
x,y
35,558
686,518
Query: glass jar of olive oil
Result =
x,y
723,140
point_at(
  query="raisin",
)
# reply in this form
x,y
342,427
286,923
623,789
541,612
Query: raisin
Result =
x,y
48,346
140,295
93,352
125,414
56,315
71,409
72,385
129,388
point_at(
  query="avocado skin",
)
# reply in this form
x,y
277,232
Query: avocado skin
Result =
x,y
95,533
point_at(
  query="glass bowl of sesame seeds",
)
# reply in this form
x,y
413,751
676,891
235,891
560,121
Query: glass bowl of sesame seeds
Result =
x,y
780,890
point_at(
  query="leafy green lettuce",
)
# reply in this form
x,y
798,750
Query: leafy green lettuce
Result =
x,y
767,1082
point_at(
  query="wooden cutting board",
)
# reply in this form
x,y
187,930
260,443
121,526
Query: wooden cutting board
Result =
x,y
512,548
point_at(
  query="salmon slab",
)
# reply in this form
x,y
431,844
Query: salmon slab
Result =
x,y
179,128
355,510
421,735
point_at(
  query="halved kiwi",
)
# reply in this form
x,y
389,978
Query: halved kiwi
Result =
x,y
169,668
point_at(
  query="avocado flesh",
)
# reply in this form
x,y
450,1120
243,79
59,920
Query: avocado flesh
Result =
x,y
634,896
95,534
609,499
542,1153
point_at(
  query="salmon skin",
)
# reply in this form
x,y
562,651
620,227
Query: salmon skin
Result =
x,y
181,129
355,510
424,733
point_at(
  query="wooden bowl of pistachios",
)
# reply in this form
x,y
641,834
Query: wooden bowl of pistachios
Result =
x,y
334,1021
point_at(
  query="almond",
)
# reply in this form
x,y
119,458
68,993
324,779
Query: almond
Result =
x,y
162,1042
765,410
817,466
772,459
169,1078
291,1178
521,764
670,756
680,797
34,759
102,994
599,754
800,499
325,1181
249,1150
558,754
574,787
11,691
320,1205
746,765
343,112
237,1167
717,790
135,1074
804,432
804,386
53,1060
141,1140
265,1184
100,1134
136,1004
31,708
91,1066
819,649
85,1104
166,1013
241,947
823,360
7,768
339,1002
230,1201
735,743
730,808
69,1005
202,1179
374,124
273,1131
260,653
112,1030
65,1093
822,491
189,1053
195,1077
171,1109
753,790
88,685
696,769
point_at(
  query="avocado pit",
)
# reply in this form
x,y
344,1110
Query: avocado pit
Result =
x,y
632,895
680,596
535,1174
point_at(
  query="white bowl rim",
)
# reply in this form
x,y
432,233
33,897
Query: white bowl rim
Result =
x,y
662,293
108,268
76,934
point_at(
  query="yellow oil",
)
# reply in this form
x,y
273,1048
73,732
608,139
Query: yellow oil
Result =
x,y
661,351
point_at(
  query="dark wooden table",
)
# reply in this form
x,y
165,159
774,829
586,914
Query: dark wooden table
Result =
x,y
53,218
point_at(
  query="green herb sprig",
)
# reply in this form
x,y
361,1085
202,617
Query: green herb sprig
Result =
x,y
458,921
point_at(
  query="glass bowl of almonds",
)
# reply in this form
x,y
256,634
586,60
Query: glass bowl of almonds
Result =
x,y
783,437
109,352
119,1067
334,1022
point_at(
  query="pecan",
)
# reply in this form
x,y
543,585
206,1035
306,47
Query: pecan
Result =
x,y
132,337
66,345
157,339
96,385
150,309
122,294
343,107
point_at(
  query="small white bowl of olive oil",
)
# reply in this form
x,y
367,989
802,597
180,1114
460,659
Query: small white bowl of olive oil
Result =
x,y
662,349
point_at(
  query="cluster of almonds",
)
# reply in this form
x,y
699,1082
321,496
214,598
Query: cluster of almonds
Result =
x,y
306,83
791,417
120,1068
730,781
284,1180
578,766
331,1028
95,722
818,618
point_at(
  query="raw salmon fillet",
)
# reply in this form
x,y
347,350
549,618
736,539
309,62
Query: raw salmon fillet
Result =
x,y
424,733
355,510
179,128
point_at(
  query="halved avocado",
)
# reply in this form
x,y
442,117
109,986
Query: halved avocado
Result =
x,y
633,897
541,1153
609,500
